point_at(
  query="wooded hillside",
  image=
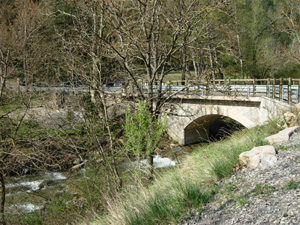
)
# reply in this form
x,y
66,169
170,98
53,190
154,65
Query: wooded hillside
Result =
x,y
64,40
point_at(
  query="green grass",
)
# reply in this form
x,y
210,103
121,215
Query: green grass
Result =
x,y
263,190
292,185
189,186
173,76
243,200
8,105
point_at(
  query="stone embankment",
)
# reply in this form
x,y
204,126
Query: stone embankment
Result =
x,y
264,195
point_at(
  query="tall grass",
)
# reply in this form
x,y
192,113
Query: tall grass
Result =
x,y
186,187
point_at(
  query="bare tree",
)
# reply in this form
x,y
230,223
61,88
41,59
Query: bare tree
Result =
x,y
4,71
287,19
85,56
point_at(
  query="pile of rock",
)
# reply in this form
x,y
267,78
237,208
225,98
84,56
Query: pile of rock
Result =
x,y
265,156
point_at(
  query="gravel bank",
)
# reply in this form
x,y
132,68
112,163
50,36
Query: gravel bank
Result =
x,y
269,196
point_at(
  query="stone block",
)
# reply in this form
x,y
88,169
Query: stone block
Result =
x,y
259,157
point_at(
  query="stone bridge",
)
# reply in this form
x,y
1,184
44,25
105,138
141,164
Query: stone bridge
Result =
x,y
191,117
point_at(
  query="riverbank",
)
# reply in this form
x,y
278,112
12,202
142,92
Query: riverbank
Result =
x,y
186,188
258,196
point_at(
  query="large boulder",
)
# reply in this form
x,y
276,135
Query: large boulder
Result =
x,y
288,119
283,135
259,157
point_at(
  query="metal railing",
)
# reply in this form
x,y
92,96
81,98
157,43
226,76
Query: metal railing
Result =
x,y
283,89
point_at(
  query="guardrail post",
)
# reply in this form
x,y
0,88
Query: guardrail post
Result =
x,y
125,89
290,91
254,81
268,88
273,89
248,91
229,87
207,88
169,87
280,90
298,91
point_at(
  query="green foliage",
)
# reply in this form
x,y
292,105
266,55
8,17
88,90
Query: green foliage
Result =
x,y
282,148
289,71
292,185
263,190
143,131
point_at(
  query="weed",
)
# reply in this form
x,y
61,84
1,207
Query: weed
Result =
x,y
292,185
282,148
263,190
231,187
243,200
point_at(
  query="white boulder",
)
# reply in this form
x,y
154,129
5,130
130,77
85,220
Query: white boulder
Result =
x,y
259,157
283,135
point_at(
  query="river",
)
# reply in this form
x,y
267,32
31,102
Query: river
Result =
x,y
32,193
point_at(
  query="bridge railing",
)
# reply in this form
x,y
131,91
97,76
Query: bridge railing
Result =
x,y
283,89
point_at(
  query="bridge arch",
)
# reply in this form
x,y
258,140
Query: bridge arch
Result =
x,y
210,127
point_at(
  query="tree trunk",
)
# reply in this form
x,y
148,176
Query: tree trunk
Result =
x,y
196,67
2,86
211,63
240,56
184,62
150,159
3,195
253,69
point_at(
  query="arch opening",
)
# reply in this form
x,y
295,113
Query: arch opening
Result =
x,y
210,128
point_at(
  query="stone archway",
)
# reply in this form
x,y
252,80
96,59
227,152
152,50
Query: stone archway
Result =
x,y
210,127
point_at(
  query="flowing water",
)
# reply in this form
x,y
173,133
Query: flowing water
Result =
x,y
30,193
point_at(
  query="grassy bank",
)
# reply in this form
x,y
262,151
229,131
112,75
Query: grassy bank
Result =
x,y
189,186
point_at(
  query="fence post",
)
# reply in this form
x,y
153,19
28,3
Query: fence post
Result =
x,y
229,87
268,88
273,89
280,90
254,81
207,88
248,91
169,87
298,91
187,89
290,91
